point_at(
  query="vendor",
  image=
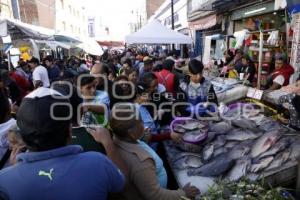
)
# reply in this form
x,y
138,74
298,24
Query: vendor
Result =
x,y
235,66
293,98
281,75
197,89
248,70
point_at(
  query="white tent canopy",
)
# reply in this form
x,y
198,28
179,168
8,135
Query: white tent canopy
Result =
x,y
91,46
156,33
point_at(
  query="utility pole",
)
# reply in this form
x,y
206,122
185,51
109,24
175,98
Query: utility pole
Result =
x,y
172,18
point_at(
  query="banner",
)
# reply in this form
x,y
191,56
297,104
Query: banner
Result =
x,y
293,6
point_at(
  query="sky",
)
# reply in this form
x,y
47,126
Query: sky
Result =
x,y
116,14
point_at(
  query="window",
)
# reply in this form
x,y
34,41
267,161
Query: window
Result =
x,y
62,4
70,9
64,26
72,28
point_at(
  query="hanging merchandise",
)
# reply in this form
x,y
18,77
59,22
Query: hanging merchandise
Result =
x,y
207,47
273,38
240,37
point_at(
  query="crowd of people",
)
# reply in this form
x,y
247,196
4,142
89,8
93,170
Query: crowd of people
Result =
x,y
91,129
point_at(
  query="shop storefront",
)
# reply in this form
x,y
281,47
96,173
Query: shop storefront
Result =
x,y
261,17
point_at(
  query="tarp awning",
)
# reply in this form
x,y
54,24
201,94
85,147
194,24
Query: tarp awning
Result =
x,y
203,23
91,46
66,37
54,44
18,30
156,33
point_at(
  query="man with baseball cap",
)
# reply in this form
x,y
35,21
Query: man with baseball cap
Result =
x,y
51,168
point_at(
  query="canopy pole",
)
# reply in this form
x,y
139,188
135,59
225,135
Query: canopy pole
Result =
x,y
9,63
172,17
261,43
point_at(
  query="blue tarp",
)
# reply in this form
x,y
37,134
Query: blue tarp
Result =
x,y
293,6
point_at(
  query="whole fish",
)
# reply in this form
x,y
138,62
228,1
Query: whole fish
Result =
x,y
252,176
244,123
241,135
269,124
279,146
295,151
187,162
231,144
239,170
214,168
221,127
208,152
210,137
261,164
220,151
279,160
219,141
179,129
178,155
239,151
258,119
265,142
191,125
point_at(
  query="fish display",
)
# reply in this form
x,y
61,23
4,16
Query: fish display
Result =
x,y
261,164
279,160
239,169
221,127
241,135
279,146
265,142
214,168
245,149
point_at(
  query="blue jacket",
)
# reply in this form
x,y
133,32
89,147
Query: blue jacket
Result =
x,y
63,173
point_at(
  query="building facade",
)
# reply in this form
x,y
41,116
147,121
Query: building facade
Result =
x,y
6,9
164,15
152,6
71,17
67,16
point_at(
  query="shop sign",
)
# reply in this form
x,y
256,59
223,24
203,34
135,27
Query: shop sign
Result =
x,y
252,11
204,23
293,6
295,51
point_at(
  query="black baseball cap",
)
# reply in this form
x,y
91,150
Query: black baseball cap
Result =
x,y
44,118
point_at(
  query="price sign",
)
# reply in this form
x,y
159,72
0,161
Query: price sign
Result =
x,y
255,93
